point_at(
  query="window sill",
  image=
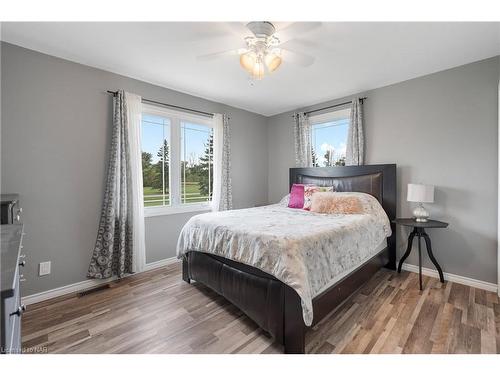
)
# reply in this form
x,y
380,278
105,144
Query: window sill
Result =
x,y
173,210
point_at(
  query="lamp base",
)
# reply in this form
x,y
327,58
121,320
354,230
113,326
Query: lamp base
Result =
x,y
420,214
421,220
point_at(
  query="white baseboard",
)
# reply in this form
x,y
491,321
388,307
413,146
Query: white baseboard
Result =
x,y
453,278
160,263
87,284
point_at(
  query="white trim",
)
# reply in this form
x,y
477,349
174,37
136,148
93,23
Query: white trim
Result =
x,y
177,114
87,284
498,194
453,278
161,263
336,114
175,163
177,209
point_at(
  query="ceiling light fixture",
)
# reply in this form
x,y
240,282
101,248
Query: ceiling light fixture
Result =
x,y
262,51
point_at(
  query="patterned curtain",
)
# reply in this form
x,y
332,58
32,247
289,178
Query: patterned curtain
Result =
x,y
222,198
355,136
303,147
119,247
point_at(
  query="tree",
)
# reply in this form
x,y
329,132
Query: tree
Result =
x,y
161,167
147,158
340,161
148,171
314,158
205,168
328,158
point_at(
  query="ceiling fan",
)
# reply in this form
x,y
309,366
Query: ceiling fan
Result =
x,y
266,48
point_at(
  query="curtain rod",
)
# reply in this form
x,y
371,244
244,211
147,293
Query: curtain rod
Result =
x,y
331,106
208,114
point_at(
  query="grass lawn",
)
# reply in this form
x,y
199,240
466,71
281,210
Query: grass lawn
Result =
x,y
192,192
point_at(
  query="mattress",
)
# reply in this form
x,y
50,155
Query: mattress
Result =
x,y
307,251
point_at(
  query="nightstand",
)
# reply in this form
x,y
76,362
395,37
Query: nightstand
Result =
x,y
419,231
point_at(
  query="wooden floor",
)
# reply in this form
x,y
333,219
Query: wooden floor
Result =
x,y
156,312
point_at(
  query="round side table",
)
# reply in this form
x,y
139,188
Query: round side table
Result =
x,y
419,231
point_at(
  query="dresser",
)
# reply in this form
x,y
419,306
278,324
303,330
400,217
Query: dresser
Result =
x,y
12,263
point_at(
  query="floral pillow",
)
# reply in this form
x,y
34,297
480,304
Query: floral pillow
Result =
x,y
309,190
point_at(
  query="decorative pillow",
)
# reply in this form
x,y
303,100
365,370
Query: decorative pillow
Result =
x,y
284,201
310,190
335,203
296,199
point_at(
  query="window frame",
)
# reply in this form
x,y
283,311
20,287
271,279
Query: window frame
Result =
x,y
330,116
174,183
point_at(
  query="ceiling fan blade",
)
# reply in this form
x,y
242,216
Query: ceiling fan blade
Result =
x,y
297,58
218,31
296,30
216,55
220,35
238,29
300,44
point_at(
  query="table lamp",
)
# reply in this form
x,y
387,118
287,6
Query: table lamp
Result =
x,y
421,194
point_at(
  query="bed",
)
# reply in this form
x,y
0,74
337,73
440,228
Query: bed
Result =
x,y
286,268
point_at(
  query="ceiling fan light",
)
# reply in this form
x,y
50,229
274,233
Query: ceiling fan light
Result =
x,y
273,61
258,70
248,61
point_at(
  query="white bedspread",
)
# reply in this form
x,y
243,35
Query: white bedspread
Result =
x,y
304,250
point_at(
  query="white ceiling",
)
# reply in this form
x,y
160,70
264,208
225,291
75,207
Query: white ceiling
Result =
x,y
350,57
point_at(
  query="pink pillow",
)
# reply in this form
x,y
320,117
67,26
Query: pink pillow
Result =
x,y
296,196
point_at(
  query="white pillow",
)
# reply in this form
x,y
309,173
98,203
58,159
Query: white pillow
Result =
x,y
284,201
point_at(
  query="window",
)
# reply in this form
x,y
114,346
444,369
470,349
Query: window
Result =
x,y
196,163
156,160
329,138
177,161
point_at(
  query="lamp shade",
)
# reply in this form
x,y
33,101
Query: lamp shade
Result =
x,y
247,61
273,61
258,70
420,193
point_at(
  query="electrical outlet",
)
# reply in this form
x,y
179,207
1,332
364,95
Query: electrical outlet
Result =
x,y
44,269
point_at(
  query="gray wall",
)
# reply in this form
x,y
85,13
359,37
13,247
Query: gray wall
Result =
x,y
439,129
55,133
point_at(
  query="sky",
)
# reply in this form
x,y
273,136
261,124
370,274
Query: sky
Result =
x,y
330,136
156,128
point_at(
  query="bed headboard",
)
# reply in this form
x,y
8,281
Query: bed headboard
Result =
x,y
378,180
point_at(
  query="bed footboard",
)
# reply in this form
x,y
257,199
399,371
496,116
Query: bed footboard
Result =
x,y
294,334
260,296
185,271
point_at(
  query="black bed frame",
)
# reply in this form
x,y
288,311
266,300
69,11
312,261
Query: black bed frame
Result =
x,y
275,306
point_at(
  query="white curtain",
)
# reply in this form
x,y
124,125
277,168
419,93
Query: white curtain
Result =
x,y
222,198
303,147
355,136
134,115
